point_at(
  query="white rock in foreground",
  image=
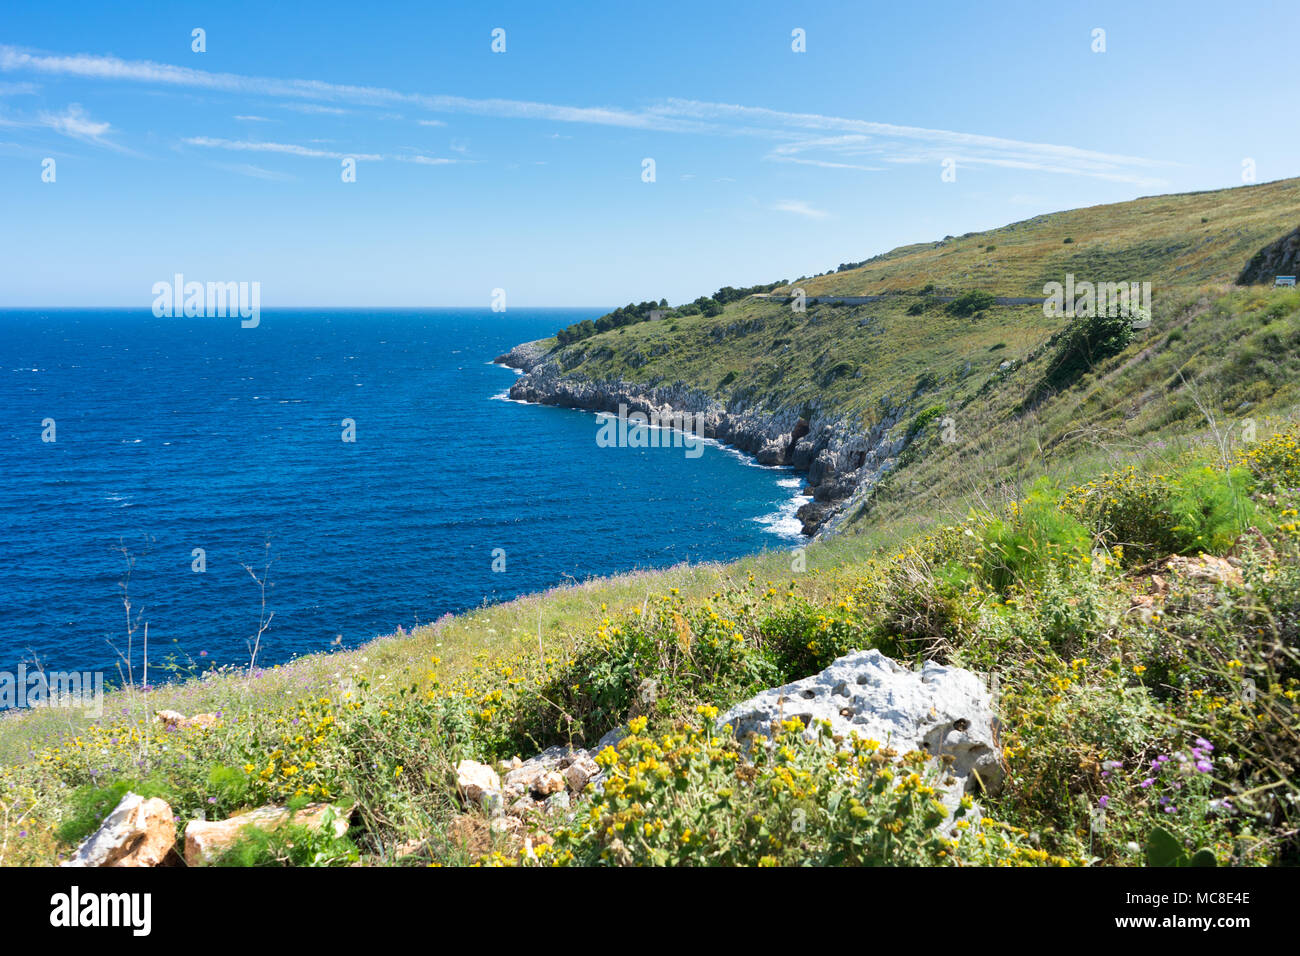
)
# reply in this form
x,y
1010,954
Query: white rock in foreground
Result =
x,y
940,710
138,832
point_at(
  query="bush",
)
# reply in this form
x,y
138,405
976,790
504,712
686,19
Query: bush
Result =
x,y
1086,342
692,655
802,639
1275,461
1152,515
690,798
1036,536
968,303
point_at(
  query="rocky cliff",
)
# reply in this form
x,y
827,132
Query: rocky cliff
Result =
x,y
842,463
1279,258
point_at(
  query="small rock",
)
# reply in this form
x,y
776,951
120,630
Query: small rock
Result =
x,y
580,772
138,832
411,848
205,839
476,780
506,825
1206,567
175,720
538,777
549,782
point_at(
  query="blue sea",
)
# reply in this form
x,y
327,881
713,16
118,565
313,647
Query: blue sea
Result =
x,y
172,435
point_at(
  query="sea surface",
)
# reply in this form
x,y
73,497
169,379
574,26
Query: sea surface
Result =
x,y
173,435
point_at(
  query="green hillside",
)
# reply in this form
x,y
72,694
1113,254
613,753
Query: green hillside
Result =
x,y
1210,348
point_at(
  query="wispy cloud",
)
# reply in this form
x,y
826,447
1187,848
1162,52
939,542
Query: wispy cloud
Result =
x,y
256,172
888,142
287,149
311,152
807,139
74,122
93,66
246,118
799,208
313,109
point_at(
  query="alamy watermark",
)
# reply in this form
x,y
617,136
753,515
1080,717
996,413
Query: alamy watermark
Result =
x,y
653,430
211,300
1082,299
71,690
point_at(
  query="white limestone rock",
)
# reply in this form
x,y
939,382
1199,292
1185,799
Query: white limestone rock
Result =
x,y
940,710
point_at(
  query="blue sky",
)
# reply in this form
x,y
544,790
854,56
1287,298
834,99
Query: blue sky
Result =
x,y
522,170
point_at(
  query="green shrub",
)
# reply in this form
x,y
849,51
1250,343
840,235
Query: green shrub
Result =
x,y
1087,341
1149,515
690,654
690,798
1210,509
1275,461
968,303
1036,535
801,639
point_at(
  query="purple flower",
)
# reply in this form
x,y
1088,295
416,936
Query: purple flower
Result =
x,y
212,799
1204,744
1204,766
1147,782
1103,802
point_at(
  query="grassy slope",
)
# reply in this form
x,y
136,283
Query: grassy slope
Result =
x,y
1234,347
858,360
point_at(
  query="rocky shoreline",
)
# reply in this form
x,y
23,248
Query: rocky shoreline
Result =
x,y
842,463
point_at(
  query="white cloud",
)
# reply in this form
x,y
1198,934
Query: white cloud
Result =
x,y
799,208
888,142
75,122
808,139
255,172
288,149
315,109
426,160
310,152
92,66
